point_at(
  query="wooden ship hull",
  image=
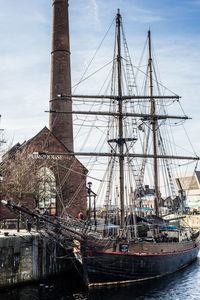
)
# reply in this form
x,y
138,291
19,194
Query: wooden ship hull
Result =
x,y
142,262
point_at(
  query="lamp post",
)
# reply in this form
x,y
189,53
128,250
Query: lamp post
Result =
x,y
95,219
89,196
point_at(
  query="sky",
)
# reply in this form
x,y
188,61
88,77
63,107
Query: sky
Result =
x,y
25,34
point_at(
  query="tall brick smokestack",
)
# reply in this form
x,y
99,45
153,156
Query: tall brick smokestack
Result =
x,y
61,124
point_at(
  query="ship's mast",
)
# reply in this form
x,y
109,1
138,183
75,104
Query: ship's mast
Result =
x,y
120,119
154,128
119,115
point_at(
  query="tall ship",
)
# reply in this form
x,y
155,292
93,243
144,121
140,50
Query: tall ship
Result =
x,y
126,236
136,243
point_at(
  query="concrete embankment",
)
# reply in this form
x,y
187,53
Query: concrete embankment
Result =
x,y
28,257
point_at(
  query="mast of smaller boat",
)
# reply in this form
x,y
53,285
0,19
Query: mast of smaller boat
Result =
x,y
154,128
120,140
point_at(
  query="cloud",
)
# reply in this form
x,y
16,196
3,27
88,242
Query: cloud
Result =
x,y
148,19
96,12
146,16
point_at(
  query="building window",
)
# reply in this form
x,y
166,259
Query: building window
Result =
x,y
46,191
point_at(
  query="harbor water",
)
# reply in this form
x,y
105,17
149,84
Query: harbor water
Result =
x,y
182,285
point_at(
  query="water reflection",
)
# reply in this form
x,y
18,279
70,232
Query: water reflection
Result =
x,y
60,288
178,286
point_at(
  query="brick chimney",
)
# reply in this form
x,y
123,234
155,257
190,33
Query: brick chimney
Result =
x,y
61,124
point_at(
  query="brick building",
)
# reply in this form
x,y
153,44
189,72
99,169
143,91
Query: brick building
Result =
x,y
53,182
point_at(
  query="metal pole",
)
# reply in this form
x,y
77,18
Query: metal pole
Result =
x,y
95,220
89,196
89,205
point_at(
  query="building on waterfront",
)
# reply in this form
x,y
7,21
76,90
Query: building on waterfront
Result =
x,y
190,184
49,182
56,183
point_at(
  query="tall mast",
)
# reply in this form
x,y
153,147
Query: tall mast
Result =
x,y
154,125
120,122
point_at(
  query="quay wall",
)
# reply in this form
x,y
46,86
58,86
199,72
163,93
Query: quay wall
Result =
x,y
26,257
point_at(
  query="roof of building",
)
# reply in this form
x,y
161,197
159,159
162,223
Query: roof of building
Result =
x,y
39,147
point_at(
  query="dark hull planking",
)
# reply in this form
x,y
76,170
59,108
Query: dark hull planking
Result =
x,y
116,268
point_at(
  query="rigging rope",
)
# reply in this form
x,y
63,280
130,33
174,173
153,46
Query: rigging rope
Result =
x,y
95,53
